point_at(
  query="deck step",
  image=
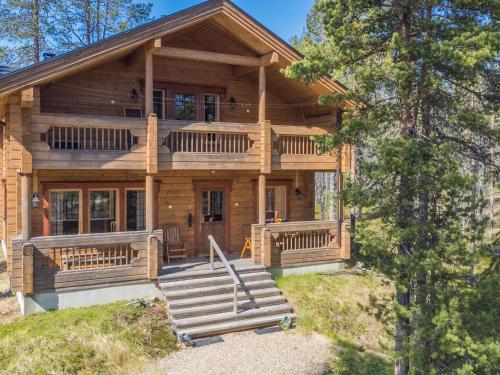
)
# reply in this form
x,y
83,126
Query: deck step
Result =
x,y
218,289
191,275
221,298
204,309
234,325
212,281
211,319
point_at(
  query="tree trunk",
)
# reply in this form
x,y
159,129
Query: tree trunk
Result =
x,y
36,31
88,23
331,195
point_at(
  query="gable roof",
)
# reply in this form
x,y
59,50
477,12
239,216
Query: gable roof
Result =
x,y
124,43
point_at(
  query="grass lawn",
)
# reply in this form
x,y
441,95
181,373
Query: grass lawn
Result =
x,y
110,339
354,311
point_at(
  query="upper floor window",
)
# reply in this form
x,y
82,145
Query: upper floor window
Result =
x,y
185,108
211,107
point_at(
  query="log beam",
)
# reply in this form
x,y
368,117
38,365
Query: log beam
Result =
x,y
216,57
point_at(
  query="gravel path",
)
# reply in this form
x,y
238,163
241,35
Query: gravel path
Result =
x,y
271,352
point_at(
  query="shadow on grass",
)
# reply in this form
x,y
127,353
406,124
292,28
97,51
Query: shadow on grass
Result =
x,y
349,361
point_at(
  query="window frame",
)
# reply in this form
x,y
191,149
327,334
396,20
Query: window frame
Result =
x,y
84,189
217,105
117,208
269,183
125,204
163,107
80,209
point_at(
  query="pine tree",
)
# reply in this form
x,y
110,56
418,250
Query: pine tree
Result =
x,y
24,27
425,77
81,22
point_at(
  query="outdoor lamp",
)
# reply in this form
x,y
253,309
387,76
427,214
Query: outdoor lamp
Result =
x,y
35,201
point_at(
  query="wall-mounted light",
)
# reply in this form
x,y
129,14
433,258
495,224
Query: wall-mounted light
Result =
x,y
233,102
298,193
35,201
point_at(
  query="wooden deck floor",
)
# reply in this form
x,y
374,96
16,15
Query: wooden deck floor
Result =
x,y
203,263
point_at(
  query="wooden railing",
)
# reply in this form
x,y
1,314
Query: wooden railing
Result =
x,y
236,281
88,260
297,145
89,138
296,243
208,142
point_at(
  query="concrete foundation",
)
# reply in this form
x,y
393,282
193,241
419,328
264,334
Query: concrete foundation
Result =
x,y
44,301
310,268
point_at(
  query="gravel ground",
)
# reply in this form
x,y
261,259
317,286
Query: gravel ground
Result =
x,y
270,352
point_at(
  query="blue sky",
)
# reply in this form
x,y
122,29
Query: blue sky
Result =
x,y
284,17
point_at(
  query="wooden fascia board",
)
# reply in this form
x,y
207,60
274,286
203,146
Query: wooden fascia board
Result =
x,y
66,64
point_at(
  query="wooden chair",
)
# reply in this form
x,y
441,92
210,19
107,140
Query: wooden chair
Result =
x,y
173,246
246,232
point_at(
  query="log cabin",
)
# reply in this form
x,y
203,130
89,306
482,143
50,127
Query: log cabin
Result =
x,y
186,122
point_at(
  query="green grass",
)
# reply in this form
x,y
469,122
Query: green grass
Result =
x,y
110,339
354,311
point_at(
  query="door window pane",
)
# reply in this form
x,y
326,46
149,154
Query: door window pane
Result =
x,y
158,103
211,108
212,206
275,203
185,107
64,212
136,210
102,207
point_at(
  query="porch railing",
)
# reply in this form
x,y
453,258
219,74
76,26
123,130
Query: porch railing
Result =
x,y
88,259
296,243
236,281
297,145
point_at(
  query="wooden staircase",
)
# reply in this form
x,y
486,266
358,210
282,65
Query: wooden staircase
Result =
x,y
201,302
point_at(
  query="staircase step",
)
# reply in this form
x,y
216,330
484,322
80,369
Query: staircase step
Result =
x,y
234,325
190,275
206,320
221,298
219,289
216,308
211,281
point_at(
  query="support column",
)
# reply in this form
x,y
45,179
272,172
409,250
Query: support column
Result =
x,y
148,83
262,199
25,206
149,202
262,94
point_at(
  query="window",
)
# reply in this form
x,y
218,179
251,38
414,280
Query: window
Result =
x,y
211,107
185,108
102,211
136,210
159,103
212,206
64,212
276,203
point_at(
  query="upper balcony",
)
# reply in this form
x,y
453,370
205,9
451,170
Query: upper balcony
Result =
x,y
62,141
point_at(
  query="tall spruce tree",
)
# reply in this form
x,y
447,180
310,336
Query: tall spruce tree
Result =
x,y
424,75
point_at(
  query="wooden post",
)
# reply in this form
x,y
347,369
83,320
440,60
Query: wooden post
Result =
x,y
25,206
148,83
152,257
266,247
149,202
27,268
262,94
262,199
152,144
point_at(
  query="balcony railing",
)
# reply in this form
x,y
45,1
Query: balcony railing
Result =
x,y
209,142
86,260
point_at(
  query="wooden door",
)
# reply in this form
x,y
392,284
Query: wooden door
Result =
x,y
211,216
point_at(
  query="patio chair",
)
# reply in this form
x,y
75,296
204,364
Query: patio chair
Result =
x,y
246,232
173,246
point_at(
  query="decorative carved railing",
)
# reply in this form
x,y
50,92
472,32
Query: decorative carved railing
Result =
x,y
86,260
89,138
297,145
296,243
208,142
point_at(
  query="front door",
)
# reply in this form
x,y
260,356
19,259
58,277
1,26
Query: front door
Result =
x,y
211,218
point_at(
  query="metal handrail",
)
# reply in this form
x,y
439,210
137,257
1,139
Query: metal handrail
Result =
x,y
236,281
